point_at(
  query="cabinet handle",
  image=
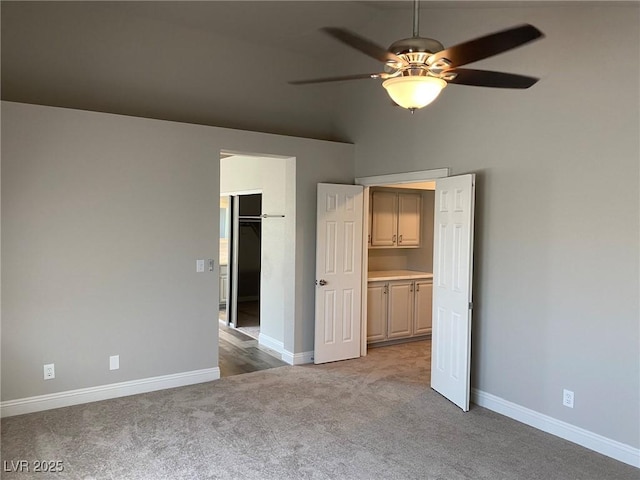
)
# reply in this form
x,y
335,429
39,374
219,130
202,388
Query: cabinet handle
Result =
x,y
411,288
417,287
393,240
400,239
385,290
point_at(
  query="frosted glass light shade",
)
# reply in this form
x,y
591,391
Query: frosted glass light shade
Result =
x,y
414,92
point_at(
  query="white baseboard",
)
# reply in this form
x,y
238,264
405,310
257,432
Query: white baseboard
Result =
x,y
297,358
270,342
39,403
285,355
606,446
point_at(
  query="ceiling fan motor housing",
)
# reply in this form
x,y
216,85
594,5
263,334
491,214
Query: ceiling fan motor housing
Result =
x,y
415,44
416,51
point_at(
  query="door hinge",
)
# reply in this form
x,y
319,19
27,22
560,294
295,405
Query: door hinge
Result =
x,y
470,305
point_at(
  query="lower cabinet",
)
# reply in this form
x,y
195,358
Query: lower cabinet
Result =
x,y
377,311
398,309
423,307
400,317
224,288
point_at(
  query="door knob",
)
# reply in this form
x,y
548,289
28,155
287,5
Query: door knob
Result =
x,y
322,283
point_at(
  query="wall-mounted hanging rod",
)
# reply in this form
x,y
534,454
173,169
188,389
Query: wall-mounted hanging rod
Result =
x,y
266,215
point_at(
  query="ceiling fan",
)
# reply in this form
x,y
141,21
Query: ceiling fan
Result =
x,y
416,69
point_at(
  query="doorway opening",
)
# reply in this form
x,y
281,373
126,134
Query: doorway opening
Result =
x,y
448,293
400,264
398,259
258,207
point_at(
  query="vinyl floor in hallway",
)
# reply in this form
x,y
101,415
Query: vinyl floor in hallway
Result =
x,y
239,353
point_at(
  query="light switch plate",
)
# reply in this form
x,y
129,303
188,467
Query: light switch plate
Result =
x,y
200,266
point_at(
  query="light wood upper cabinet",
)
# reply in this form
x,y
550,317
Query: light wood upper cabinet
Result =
x,y
384,219
395,219
409,210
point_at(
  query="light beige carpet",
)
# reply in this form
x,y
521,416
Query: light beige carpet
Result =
x,y
371,418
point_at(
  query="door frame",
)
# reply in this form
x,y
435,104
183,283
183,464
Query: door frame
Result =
x,y
407,179
232,258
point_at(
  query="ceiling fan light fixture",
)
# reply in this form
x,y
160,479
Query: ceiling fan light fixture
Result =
x,y
413,92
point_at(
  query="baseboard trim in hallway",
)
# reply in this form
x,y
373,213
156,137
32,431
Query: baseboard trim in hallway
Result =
x,y
271,343
39,403
297,358
593,441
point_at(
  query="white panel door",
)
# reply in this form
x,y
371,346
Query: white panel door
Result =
x,y
338,272
452,275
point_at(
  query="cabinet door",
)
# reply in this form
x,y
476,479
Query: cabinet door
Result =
x,y
384,219
409,212
224,288
400,309
376,311
422,307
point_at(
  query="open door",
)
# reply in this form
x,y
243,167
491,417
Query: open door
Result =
x,y
339,244
452,276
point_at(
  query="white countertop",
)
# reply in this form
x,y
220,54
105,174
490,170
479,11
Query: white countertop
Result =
x,y
382,275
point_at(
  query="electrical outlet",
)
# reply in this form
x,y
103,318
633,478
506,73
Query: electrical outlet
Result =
x,y
114,362
567,398
199,266
49,371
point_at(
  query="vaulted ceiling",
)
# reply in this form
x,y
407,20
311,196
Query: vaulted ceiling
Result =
x,y
215,63
222,63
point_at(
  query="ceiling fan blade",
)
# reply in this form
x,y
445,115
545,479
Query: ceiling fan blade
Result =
x,y
487,46
363,45
486,78
338,79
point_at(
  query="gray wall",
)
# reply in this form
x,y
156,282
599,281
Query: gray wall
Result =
x,y
557,218
103,217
